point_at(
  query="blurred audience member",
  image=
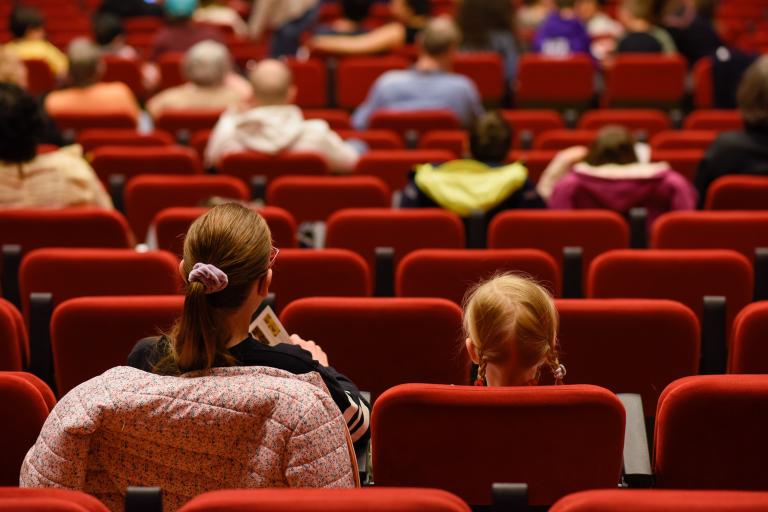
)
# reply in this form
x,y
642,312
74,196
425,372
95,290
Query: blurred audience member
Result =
x,y
532,13
182,33
429,85
126,8
110,36
218,12
353,13
87,95
487,26
562,33
205,66
604,30
642,35
52,180
29,41
690,24
410,17
288,20
274,124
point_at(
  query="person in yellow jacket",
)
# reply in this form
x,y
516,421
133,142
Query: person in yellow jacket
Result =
x,y
483,183
29,40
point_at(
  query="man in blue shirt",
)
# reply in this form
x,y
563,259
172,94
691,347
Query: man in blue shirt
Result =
x,y
429,84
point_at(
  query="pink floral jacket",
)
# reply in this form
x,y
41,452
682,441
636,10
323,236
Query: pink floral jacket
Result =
x,y
236,427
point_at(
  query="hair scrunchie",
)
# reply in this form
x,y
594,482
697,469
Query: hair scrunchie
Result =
x,y
212,278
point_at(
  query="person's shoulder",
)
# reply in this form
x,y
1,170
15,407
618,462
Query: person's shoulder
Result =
x,y
147,352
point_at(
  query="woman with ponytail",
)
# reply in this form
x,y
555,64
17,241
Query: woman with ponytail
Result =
x,y
511,326
227,270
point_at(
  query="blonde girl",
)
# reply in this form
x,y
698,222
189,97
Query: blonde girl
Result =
x,y
511,326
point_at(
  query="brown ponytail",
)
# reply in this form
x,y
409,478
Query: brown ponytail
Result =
x,y
237,241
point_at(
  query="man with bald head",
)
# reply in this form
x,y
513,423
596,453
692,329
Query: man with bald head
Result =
x,y
273,124
429,84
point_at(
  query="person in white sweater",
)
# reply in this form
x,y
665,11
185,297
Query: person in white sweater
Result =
x,y
273,124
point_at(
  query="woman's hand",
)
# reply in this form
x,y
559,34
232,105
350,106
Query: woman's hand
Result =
x,y
311,347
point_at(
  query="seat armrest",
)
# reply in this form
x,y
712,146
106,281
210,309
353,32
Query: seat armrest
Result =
x,y
41,360
385,272
144,499
713,342
508,497
116,190
637,459
761,273
476,226
258,187
9,280
638,222
573,264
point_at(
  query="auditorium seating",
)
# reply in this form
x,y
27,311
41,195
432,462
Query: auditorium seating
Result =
x,y
486,70
561,139
455,141
382,342
540,81
684,161
15,499
126,70
182,123
748,351
683,139
534,160
374,139
407,122
556,439
94,138
720,120
657,500
738,192
393,166
71,123
14,345
128,162
40,78
354,77
645,80
310,78
527,124
646,121
247,164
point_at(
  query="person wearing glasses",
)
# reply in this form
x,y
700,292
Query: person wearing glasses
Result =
x,y
227,270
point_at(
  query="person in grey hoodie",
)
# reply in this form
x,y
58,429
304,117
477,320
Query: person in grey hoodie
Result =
x,y
274,124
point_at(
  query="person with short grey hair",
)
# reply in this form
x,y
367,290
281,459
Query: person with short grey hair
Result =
x,y
206,66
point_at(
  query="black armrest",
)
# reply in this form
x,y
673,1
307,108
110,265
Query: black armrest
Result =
x,y
116,189
475,223
183,136
713,343
258,187
411,138
638,218
637,458
761,273
385,272
41,360
143,499
509,497
572,272
9,280
526,139
641,136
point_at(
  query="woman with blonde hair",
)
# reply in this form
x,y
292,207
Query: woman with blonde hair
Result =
x,y
511,326
227,270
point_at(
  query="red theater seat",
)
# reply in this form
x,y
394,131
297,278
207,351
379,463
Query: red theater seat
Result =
x,y
738,192
134,161
540,81
418,121
704,88
556,439
720,120
126,70
561,139
534,160
393,166
336,119
40,78
248,164
645,80
375,139
170,70
76,121
356,75
658,500
310,79
189,120
14,344
648,121
684,161
455,141
94,138
532,121
486,70
748,349
683,139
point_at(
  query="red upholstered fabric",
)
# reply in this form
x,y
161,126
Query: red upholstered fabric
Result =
x,y
336,119
91,139
455,141
147,195
79,354
247,164
557,439
85,121
704,87
645,79
15,499
534,121
363,230
171,224
749,350
328,500
684,161
393,166
170,69
381,342
714,120
302,273
418,121
658,500
14,346
540,80
683,139
628,345
313,198
23,410
646,120
68,273
595,231
192,120
683,275
486,70
535,160
134,161
709,432
40,78
738,192
355,76
73,227
45,392
561,139
448,273
126,70
311,81
375,139
737,230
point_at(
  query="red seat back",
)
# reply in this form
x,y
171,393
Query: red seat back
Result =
x,y
355,76
40,78
748,351
134,161
147,195
640,346
171,224
738,192
170,69
375,139
533,121
93,138
336,119
561,139
310,79
658,500
683,139
684,161
393,166
418,121
645,79
14,344
247,164
455,141
74,121
648,121
704,87
486,70
76,358
720,120
126,70
534,160
557,439
189,120
708,430
315,198
367,339
449,273
15,499
540,79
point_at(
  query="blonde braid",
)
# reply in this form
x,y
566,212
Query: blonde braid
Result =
x,y
480,380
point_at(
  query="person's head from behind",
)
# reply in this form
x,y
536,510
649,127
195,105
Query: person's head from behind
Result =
x,y
613,145
490,138
355,10
631,12
12,70
440,39
21,124
407,11
207,63
565,5
478,18
752,94
272,83
180,11
511,326
587,9
26,23
226,270
108,30
85,62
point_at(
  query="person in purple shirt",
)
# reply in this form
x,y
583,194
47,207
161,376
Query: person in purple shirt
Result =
x,y
429,84
562,33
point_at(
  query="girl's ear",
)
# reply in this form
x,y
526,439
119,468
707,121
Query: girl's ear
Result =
x,y
264,283
181,271
472,351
